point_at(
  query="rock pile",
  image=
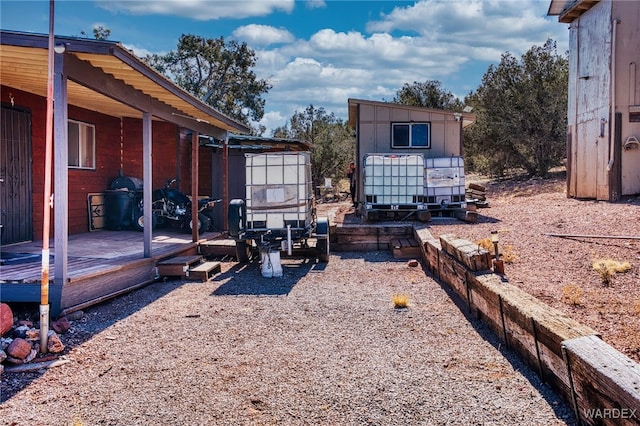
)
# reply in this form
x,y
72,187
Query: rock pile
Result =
x,y
20,341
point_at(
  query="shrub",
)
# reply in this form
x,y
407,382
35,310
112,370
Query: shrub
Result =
x,y
572,294
607,269
400,301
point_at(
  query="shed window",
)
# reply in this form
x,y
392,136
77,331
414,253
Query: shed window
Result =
x,y
82,145
410,135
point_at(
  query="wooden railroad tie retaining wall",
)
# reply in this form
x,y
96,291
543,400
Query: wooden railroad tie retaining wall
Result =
x,y
602,384
367,238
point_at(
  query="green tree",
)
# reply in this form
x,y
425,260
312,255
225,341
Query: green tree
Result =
x,y
521,114
99,33
429,94
333,141
218,72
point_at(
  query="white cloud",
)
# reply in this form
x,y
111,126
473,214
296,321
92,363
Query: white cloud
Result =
x,y
315,4
263,35
485,28
201,10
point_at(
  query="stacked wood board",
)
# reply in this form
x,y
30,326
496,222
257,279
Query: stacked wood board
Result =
x,y
477,195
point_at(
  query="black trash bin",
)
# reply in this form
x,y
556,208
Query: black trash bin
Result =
x,y
121,202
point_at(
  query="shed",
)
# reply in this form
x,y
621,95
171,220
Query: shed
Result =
x,y
603,117
374,122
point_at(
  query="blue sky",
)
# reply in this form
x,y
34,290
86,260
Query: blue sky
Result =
x,y
320,52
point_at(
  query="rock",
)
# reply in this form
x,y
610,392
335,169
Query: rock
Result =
x,y
74,316
26,323
19,349
61,326
5,342
20,331
33,334
413,263
3,356
32,355
6,318
54,344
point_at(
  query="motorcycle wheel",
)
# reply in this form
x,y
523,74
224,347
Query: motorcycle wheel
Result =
x,y
139,221
203,223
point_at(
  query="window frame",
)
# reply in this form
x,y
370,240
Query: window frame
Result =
x,y
83,145
410,125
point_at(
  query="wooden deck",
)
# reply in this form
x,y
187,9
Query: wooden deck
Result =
x,y
101,265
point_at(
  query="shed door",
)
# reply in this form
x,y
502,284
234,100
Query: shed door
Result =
x,y
15,176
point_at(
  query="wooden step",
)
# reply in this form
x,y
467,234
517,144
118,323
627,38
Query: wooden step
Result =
x,y
203,271
177,266
220,247
405,248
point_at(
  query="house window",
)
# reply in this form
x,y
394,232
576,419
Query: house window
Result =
x,y
410,135
82,145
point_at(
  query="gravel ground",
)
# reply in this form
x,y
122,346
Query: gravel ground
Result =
x,y
321,345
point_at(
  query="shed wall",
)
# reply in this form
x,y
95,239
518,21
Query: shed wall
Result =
x,y
628,90
589,88
374,130
601,167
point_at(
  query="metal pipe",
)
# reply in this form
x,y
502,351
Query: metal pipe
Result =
x,y
44,283
289,240
613,237
612,135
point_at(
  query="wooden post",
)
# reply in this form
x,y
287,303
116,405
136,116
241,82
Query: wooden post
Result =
x,y
194,184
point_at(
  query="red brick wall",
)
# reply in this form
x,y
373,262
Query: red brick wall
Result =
x,y
117,143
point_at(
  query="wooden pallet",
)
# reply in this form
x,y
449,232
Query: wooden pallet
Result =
x,y
177,266
405,248
204,271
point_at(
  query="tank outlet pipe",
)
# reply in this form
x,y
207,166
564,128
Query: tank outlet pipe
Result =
x,y
289,240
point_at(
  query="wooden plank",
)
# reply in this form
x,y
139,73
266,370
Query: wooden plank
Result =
x,y
219,247
466,215
177,266
454,274
605,381
469,254
204,271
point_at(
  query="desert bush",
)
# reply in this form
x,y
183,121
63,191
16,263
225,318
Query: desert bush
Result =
x,y
607,269
400,301
572,294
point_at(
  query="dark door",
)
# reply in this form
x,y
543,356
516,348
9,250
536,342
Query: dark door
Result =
x,y
15,176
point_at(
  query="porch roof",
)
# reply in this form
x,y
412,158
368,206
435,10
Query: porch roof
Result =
x,y
108,79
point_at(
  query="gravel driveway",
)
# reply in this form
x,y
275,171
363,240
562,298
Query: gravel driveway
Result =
x,y
322,345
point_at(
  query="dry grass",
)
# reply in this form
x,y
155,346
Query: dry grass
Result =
x,y
400,301
507,254
572,294
607,269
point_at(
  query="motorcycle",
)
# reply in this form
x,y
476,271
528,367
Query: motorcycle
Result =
x,y
170,206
